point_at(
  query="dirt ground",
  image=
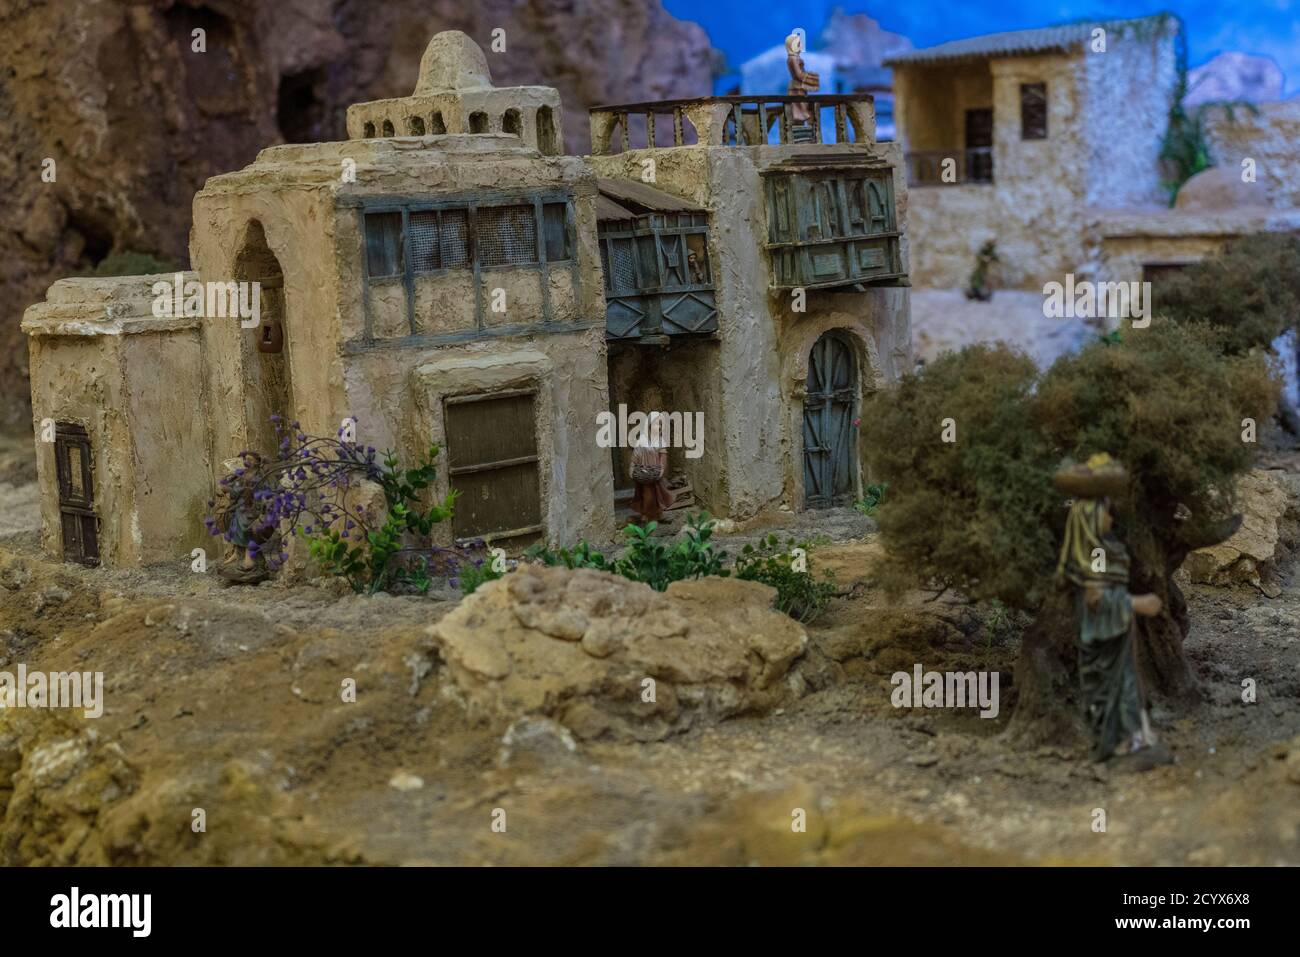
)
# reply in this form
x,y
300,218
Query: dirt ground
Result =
x,y
226,701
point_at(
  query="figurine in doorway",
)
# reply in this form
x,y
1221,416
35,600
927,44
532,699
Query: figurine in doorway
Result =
x,y
649,471
801,82
1096,562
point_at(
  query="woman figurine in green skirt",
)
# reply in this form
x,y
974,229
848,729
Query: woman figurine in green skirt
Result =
x,y
1096,562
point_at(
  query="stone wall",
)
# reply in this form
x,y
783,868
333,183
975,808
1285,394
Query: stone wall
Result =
x,y
1269,137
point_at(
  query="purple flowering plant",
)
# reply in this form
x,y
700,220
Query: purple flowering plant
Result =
x,y
304,491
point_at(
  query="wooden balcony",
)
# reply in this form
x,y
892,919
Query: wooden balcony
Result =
x,y
927,167
733,121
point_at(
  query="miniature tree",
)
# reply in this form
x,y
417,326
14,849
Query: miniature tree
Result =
x,y
979,513
1249,294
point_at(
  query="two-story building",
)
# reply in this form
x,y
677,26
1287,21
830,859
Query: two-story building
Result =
x,y
444,275
1014,137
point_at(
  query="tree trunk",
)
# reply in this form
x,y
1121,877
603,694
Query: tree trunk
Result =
x,y
1047,680
1048,710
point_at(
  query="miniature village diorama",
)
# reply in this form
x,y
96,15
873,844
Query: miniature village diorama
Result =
x,y
552,456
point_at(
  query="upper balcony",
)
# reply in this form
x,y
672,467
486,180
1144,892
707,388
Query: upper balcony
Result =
x,y
733,121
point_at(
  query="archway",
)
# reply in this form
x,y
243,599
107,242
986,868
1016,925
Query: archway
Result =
x,y
264,347
830,452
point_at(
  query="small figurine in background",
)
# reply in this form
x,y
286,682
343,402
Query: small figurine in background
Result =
x,y
980,285
1096,562
801,81
241,520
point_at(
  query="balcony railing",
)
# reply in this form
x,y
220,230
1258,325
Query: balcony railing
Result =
x,y
733,121
945,167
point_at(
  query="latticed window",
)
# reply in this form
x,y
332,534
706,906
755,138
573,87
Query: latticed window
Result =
x,y
658,281
455,237
834,227
507,235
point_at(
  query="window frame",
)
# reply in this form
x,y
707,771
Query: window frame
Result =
x,y
538,199
1024,126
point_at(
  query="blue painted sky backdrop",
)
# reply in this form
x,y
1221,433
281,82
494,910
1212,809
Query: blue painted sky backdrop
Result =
x,y
744,28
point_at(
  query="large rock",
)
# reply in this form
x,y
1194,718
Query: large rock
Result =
x,y
606,656
1262,503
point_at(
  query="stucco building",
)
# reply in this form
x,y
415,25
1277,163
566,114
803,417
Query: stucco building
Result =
x,y
1048,141
1014,136
445,275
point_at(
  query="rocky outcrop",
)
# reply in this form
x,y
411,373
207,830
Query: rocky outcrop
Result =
x,y
128,108
604,656
1249,555
1235,76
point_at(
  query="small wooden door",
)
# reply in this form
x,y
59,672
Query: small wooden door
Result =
x,y
74,468
493,463
829,438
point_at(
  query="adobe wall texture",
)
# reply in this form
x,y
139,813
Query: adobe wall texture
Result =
x,y
1128,92
394,388
99,359
1107,113
759,362
1270,138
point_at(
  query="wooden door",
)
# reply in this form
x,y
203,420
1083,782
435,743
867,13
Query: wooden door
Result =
x,y
829,438
74,470
493,463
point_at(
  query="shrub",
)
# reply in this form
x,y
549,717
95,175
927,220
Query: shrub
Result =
x,y
304,492
798,593
981,514
581,555
873,498
1249,293
690,556
130,263
474,573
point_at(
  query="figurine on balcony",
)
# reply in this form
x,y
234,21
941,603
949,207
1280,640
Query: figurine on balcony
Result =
x,y
1096,562
801,81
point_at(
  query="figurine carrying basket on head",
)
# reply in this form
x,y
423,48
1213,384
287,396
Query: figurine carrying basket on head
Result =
x,y
1096,562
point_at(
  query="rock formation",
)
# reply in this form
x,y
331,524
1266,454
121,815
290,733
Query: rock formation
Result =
x,y
579,646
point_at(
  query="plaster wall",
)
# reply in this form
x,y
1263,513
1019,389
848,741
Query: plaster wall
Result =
x,y
1270,138
755,445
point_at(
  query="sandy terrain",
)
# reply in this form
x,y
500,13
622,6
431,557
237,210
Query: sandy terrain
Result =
x,y
227,700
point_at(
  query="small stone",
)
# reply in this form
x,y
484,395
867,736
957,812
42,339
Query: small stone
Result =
x,y
405,781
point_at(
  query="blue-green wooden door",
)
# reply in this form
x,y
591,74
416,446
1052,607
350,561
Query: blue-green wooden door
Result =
x,y
829,438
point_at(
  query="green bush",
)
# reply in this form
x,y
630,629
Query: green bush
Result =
x,y
690,556
130,263
798,593
873,497
581,555
1249,293
981,514
473,574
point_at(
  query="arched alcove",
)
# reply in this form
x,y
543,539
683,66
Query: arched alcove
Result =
x,y
267,386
